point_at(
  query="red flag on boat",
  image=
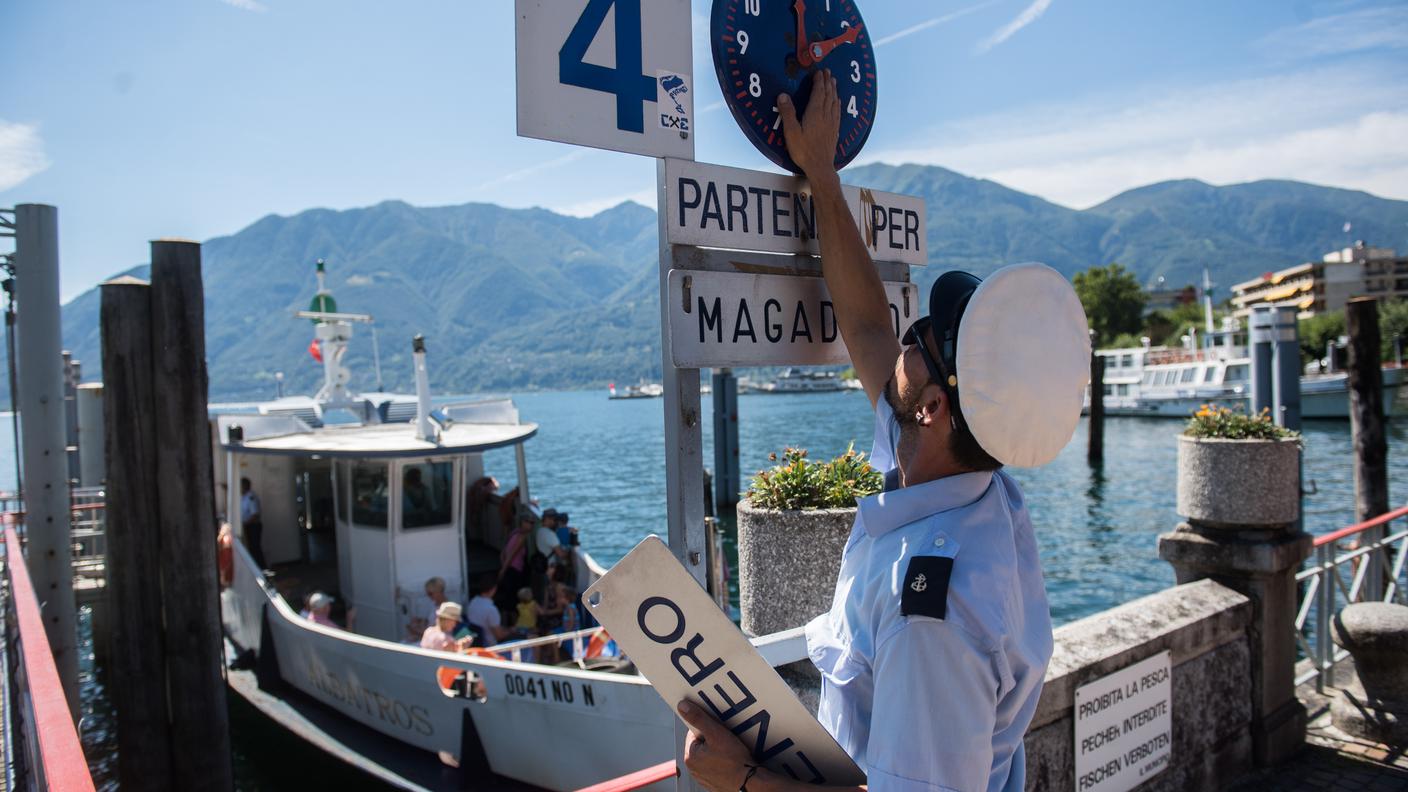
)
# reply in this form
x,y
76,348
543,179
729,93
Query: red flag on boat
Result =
x,y
315,350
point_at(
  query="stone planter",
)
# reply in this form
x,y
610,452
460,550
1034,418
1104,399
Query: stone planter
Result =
x,y
788,562
1238,483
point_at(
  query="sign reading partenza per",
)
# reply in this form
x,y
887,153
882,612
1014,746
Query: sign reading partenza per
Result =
x,y
625,86
688,649
1124,726
740,319
715,206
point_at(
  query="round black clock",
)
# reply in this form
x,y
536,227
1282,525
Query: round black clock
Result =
x,y
766,47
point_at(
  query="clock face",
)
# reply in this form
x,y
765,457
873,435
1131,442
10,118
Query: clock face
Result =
x,y
766,47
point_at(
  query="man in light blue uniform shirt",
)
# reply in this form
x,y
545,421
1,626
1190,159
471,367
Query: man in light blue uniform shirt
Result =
x,y
935,647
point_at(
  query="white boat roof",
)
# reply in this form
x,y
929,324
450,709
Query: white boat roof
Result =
x,y
475,430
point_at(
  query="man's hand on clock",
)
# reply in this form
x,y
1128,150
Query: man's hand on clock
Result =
x,y
811,142
716,758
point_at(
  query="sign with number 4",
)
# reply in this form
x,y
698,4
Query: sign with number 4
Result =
x,y
613,74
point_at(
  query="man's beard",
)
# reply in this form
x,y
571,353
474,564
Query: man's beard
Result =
x,y
905,408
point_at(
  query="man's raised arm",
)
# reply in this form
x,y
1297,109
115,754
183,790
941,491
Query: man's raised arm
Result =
x,y
862,309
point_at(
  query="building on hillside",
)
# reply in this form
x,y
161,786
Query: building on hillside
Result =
x,y
1168,299
1319,286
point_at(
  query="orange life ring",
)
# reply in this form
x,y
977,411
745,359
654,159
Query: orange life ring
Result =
x,y
597,644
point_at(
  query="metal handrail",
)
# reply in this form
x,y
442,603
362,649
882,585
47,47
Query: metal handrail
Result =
x,y
1324,583
55,754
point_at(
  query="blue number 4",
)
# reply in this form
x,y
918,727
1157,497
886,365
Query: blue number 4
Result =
x,y
625,81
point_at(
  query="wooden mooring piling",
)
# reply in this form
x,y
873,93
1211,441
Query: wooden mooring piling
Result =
x,y
1366,423
167,671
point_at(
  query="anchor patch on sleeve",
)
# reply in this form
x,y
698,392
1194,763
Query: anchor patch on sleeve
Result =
x,y
925,591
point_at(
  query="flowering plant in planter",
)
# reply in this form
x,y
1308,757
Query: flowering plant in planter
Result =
x,y
1237,470
1227,424
799,483
792,528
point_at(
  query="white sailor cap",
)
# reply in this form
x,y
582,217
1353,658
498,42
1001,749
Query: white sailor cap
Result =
x,y
1022,361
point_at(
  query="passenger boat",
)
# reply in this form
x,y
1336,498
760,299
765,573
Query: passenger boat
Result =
x,y
338,518
1174,382
793,380
643,390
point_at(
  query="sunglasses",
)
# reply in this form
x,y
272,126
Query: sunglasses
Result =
x,y
936,369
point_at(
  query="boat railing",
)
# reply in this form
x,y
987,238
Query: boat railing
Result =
x,y
1375,562
87,526
580,640
45,753
637,780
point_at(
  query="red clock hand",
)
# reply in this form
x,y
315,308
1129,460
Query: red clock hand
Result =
x,y
800,8
816,52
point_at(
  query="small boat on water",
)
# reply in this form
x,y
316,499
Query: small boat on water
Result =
x,y
366,500
643,390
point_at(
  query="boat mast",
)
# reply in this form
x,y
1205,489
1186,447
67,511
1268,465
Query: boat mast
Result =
x,y
333,331
1207,308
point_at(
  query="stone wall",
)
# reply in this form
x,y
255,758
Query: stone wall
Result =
x,y
1204,626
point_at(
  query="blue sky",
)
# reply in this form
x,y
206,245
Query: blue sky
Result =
x,y
194,118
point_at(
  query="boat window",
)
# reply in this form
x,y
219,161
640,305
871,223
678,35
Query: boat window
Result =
x,y
1148,378
1126,360
1208,373
1166,377
1122,390
1188,375
1237,373
369,493
1109,390
425,494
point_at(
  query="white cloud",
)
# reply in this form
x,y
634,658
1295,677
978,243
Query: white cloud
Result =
x,y
596,205
247,5
1334,126
1029,15
928,23
21,153
1338,34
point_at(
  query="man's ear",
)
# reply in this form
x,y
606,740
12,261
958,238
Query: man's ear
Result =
x,y
934,407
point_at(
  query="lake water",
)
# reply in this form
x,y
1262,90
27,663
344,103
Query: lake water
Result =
x,y
601,461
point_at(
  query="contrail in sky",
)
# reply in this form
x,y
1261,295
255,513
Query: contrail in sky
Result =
x,y
1029,15
928,23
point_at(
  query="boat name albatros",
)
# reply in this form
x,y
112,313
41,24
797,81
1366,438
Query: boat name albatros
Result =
x,y
411,717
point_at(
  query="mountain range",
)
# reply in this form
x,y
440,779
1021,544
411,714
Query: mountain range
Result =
x,y
527,298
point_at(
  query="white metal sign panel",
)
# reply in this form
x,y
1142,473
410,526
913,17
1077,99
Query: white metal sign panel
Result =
x,y
688,649
715,206
741,319
1124,726
614,74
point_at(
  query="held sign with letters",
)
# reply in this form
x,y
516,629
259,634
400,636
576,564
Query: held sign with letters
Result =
x,y
715,206
742,319
614,74
688,649
1124,726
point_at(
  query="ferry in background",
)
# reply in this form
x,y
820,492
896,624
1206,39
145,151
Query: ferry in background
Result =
x,y
1171,382
644,390
795,380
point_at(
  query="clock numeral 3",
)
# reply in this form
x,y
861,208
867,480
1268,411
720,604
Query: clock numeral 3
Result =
x,y
625,82
855,72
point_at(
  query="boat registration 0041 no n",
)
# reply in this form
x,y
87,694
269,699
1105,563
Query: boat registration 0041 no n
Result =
x,y
744,319
714,206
